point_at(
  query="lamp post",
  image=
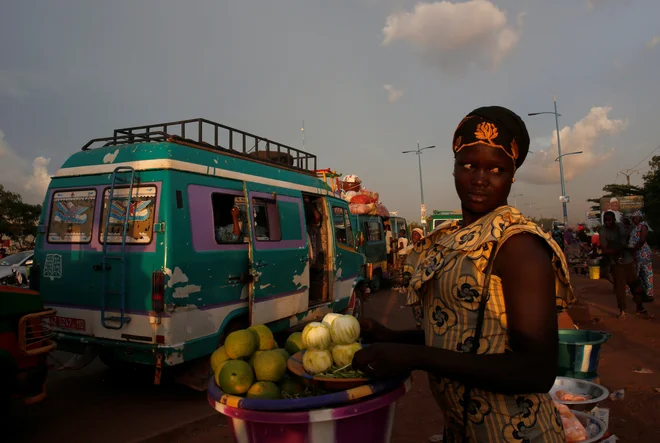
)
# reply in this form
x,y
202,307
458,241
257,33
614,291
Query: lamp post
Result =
x,y
563,198
419,151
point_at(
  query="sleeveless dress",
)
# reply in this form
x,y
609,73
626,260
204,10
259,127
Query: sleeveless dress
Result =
x,y
444,273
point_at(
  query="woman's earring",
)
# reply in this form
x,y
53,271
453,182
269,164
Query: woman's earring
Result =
x,y
513,180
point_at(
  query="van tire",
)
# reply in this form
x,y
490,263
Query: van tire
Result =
x,y
358,307
376,282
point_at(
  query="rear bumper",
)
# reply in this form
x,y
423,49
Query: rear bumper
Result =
x,y
141,353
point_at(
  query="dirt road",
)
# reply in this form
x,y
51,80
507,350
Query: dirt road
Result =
x,y
92,404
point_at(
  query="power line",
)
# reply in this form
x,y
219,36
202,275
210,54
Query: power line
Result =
x,y
658,147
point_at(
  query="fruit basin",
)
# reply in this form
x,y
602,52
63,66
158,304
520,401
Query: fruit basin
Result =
x,y
361,415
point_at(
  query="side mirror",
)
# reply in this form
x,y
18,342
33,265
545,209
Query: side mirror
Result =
x,y
29,262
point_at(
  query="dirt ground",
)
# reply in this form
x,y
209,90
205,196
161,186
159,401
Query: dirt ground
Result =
x,y
633,346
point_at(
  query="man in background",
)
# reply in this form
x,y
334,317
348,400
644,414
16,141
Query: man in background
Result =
x,y
614,242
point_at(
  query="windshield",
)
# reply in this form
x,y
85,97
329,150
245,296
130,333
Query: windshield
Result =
x,y
15,259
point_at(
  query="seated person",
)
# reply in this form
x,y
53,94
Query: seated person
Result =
x,y
232,233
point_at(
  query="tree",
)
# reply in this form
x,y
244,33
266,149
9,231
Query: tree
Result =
x,y
615,190
652,193
18,220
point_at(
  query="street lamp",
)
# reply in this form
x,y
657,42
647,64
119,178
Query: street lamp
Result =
x,y
419,151
563,197
569,153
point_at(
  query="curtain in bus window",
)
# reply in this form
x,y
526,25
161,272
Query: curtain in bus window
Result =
x,y
72,216
140,215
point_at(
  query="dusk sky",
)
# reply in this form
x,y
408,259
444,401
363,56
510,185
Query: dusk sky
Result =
x,y
369,78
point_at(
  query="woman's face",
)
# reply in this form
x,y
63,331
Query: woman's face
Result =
x,y
415,237
636,220
483,177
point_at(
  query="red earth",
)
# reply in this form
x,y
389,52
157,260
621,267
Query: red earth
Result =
x,y
633,346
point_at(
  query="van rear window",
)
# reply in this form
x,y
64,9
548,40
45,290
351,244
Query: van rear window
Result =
x,y
72,216
140,210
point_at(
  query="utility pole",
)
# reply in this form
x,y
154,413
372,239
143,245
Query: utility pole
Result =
x,y
627,173
419,151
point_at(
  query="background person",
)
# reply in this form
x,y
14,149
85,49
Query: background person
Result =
x,y
614,242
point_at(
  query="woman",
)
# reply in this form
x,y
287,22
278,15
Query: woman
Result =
x,y
495,352
642,253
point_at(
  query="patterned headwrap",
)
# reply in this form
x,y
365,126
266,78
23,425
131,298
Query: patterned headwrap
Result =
x,y
494,126
637,214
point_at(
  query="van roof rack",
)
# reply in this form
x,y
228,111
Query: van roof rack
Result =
x,y
203,133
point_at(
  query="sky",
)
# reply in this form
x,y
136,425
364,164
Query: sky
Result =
x,y
369,78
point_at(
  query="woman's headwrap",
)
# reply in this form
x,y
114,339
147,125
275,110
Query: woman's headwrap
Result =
x,y
419,231
494,126
637,214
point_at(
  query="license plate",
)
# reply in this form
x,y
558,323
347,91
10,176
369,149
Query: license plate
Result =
x,y
68,323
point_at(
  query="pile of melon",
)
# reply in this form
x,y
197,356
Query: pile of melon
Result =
x,y
330,346
250,364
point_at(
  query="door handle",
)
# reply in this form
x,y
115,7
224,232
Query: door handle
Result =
x,y
100,267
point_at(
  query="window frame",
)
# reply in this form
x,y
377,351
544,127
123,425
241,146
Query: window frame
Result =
x,y
102,215
52,208
234,194
260,245
348,226
380,231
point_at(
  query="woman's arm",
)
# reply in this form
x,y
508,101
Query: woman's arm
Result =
x,y
528,280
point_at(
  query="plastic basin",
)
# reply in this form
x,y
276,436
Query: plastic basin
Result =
x,y
595,427
366,421
579,352
597,393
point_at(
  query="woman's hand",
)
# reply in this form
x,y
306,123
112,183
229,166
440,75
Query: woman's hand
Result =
x,y
373,332
384,360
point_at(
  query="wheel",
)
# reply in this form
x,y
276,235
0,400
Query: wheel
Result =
x,y
358,306
376,281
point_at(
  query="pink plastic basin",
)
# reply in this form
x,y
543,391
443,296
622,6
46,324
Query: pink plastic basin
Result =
x,y
369,421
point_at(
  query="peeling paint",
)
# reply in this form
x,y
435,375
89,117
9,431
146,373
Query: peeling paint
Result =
x,y
175,357
110,157
244,293
175,277
339,271
303,278
264,286
185,291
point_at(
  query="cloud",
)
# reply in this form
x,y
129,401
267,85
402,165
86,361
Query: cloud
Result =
x,y
655,41
17,174
454,36
541,167
393,94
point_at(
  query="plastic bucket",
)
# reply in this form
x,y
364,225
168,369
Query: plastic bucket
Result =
x,y
594,272
579,353
368,421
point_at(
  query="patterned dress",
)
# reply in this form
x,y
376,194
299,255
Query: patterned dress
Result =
x,y
444,273
643,258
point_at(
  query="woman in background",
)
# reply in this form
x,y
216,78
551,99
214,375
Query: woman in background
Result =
x,y
642,253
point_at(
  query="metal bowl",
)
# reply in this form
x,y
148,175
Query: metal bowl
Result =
x,y
597,393
595,427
